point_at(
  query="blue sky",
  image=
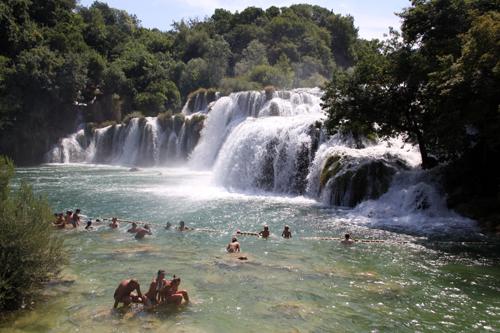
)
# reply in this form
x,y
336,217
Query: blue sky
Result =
x,y
371,17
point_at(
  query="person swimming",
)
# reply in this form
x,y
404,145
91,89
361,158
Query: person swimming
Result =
x,y
286,232
133,229
234,246
141,232
114,223
264,233
182,226
168,225
347,240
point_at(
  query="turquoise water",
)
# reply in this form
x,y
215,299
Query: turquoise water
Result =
x,y
296,285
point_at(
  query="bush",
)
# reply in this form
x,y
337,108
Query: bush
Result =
x,y
29,251
135,114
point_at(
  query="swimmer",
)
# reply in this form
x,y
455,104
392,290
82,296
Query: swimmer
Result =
x,y
141,232
234,246
182,226
264,233
60,222
133,229
114,223
123,293
67,218
286,232
347,240
168,225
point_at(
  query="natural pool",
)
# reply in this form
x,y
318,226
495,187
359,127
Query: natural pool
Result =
x,y
296,285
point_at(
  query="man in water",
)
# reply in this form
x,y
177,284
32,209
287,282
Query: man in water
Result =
x,y
347,240
286,232
114,223
133,229
234,246
141,232
168,225
171,293
153,294
264,233
123,293
182,226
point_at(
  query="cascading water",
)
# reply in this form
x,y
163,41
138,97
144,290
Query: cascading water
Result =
x,y
142,141
272,141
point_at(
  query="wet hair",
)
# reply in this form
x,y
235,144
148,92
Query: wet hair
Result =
x,y
134,224
181,223
287,227
78,210
176,280
266,227
347,236
146,226
234,239
161,271
89,222
68,212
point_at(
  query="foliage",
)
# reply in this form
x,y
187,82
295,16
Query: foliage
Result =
x,y
56,56
437,82
29,252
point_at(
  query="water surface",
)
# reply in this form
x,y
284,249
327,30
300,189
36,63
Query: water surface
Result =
x,y
296,285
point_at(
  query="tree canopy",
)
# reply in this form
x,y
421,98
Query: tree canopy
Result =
x,y
57,56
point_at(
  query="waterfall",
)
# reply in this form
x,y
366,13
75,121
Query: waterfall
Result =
x,y
268,141
145,141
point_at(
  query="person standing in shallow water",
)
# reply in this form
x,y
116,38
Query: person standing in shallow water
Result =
x,y
123,293
234,246
75,219
141,232
264,233
286,232
114,223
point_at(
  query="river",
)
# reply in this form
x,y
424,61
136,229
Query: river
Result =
x,y
408,283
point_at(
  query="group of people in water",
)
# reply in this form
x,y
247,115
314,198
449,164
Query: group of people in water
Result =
x,y
161,291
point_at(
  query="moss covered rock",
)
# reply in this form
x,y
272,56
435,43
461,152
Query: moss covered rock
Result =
x,y
348,180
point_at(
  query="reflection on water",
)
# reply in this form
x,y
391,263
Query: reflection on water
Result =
x,y
294,285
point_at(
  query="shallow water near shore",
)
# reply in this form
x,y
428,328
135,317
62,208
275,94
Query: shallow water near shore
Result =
x,y
295,285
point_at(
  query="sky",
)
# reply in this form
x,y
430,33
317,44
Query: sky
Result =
x,y
372,17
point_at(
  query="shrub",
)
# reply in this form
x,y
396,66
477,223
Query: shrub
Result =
x,y
30,253
135,114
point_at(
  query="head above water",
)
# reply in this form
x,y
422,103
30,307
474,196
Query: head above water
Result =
x,y
78,211
266,227
146,226
161,273
134,224
181,223
347,236
287,227
89,223
234,239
